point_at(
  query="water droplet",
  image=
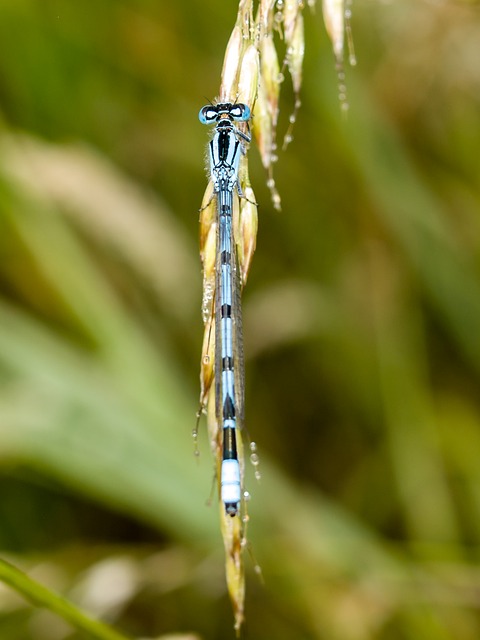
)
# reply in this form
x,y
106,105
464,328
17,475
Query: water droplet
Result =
x,y
271,183
258,569
273,158
258,475
253,446
246,496
292,118
287,140
352,60
345,107
280,78
348,14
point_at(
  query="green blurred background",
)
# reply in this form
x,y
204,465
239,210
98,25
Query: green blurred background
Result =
x,y
361,315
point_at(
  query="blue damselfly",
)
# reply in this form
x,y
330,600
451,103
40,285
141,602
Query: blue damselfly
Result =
x,y
225,151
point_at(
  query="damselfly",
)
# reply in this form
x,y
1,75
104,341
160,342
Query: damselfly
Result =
x,y
225,152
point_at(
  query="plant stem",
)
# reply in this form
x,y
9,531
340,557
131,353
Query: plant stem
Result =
x,y
42,597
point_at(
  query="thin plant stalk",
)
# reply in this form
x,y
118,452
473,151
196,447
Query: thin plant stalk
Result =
x,y
40,596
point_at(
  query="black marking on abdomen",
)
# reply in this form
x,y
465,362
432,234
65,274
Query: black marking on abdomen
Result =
x,y
228,409
227,363
225,257
226,311
229,444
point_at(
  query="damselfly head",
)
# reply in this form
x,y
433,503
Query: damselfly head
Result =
x,y
213,113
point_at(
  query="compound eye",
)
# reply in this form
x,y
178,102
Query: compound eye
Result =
x,y
208,114
240,112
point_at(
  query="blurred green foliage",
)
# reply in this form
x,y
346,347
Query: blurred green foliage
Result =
x,y
362,327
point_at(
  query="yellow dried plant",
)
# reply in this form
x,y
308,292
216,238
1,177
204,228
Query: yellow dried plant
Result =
x,y
263,34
